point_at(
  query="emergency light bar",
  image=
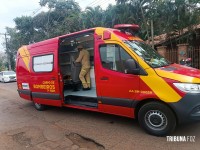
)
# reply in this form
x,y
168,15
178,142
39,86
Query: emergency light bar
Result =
x,y
130,28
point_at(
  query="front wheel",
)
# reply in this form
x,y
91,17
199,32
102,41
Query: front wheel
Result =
x,y
157,119
39,107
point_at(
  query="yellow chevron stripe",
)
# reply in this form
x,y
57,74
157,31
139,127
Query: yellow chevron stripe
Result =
x,y
178,77
157,84
160,87
24,53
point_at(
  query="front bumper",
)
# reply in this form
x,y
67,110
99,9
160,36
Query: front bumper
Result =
x,y
9,79
188,108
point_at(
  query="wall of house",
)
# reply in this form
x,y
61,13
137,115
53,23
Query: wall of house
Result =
x,y
175,51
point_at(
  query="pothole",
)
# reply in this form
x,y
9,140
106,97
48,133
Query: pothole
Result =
x,y
27,136
85,142
22,139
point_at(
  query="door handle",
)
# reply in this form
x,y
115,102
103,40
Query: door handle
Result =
x,y
53,78
104,78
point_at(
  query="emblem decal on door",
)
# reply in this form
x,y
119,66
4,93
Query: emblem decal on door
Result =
x,y
142,92
25,86
49,86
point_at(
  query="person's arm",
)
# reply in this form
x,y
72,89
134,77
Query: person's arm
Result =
x,y
79,57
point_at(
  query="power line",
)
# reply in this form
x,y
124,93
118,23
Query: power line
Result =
x,y
37,10
103,1
95,1
32,10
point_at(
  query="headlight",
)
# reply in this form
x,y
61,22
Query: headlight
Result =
x,y
188,87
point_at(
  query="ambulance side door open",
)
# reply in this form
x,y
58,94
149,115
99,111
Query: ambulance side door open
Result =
x,y
45,78
116,87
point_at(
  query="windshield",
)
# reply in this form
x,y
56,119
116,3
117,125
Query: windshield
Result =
x,y
149,55
9,73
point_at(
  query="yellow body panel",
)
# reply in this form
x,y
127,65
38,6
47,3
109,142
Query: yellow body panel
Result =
x,y
24,53
160,87
178,77
157,84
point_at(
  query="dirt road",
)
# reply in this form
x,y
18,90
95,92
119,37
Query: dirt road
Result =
x,y
24,128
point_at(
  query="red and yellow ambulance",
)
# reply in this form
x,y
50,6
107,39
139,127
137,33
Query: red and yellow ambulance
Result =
x,y
128,78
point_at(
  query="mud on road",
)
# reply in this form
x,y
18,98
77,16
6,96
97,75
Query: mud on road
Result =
x,y
22,127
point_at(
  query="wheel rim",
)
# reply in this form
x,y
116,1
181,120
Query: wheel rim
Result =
x,y
156,120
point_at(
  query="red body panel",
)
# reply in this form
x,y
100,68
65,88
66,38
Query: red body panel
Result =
x,y
182,70
117,86
23,75
47,102
170,82
145,92
49,80
117,110
40,83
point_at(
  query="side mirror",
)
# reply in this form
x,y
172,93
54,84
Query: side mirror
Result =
x,y
131,67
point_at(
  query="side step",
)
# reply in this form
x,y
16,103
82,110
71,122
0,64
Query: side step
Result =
x,y
81,101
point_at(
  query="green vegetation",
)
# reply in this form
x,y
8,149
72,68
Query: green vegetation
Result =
x,y
65,16
2,61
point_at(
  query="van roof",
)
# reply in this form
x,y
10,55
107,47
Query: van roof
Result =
x,y
55,39
52,40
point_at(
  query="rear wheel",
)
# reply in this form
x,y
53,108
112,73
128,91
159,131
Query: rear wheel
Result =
x,y
39,107
157,119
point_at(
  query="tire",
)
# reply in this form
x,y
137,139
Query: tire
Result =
x,y
157,119
39,107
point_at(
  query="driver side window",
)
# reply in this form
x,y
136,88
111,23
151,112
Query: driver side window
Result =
x,y
113,57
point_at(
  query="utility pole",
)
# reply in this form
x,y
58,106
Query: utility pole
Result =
x,y
152,34
8,56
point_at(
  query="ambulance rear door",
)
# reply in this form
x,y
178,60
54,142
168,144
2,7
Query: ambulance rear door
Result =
x,y
45,76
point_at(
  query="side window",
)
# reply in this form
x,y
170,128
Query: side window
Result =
x,y
113,57
43,63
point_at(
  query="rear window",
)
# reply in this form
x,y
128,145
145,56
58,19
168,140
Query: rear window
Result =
x,y
43,63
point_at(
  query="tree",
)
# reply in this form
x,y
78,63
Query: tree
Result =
x,y
25,29
92,17
2,61
65,16
13,44
109,16
60,19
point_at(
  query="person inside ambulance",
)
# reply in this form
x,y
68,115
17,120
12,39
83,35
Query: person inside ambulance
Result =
x,y
84,59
